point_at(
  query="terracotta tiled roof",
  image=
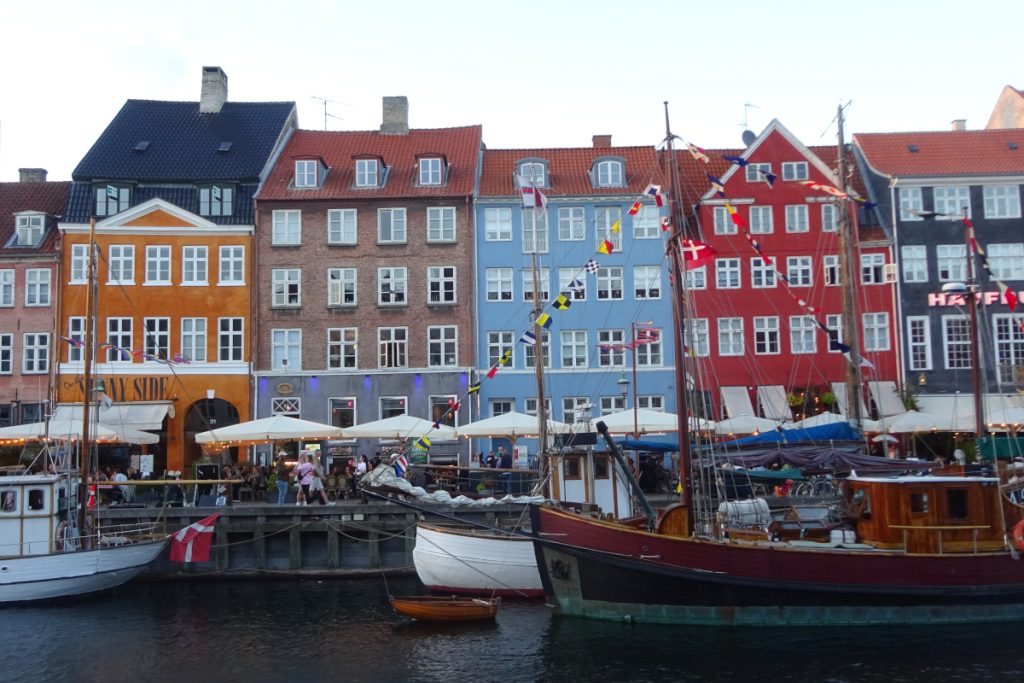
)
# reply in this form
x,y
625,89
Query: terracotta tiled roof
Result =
x,y
694,172
48,198
338,149
569,169
945,153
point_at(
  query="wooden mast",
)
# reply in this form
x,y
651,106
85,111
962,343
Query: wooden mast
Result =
x,y
973,296
85,445
538,353
680,230
847,272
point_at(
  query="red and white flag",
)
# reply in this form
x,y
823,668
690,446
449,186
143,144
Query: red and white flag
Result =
x,y
533,198
695,254
192,544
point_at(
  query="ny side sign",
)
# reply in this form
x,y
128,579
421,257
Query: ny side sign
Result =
x,y
121,389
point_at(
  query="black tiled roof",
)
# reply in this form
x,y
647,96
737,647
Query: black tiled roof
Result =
x,y
80,203
183,144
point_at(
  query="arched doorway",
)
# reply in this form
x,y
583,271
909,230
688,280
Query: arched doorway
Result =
x,y
204,415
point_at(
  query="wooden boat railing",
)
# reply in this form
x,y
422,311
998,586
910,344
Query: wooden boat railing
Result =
x,y
908,529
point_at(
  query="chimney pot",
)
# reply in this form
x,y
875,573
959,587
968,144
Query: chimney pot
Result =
x,y
215,90
396,116
32,175
602,141
959,124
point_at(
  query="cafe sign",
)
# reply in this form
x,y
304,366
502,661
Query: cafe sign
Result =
x,y
960,299
122,389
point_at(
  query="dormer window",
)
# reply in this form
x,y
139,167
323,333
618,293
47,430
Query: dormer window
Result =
x,y
112,199
431,171
609,173
367,173
29,230
307,173
535,171
216,200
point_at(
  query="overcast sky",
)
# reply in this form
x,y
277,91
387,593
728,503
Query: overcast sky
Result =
x,y
534,74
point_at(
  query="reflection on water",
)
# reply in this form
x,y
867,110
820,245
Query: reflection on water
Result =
x,y
249,632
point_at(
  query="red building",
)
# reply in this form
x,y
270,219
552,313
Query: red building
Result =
x,y
757,317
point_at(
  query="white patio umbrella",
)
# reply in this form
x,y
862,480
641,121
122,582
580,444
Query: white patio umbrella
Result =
x,y
832,418
1012,417
745,424
399,427
914,421
511,425
267,429
647,422
71,430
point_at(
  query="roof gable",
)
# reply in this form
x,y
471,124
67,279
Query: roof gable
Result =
x,y
948,153
155,213
570,170
47,198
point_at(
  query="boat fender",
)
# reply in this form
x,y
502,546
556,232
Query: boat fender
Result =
x,y
1018,535
62,538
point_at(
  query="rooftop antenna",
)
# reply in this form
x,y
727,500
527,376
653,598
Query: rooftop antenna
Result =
x,y
326,102
748,135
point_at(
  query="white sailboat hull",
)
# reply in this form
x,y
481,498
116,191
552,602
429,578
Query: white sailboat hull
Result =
x,y
459,561
58,575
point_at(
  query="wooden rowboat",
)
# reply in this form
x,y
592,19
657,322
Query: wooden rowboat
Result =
x,y
445,608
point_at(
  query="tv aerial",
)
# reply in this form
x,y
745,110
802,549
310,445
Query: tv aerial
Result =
x,y
326,113
748,136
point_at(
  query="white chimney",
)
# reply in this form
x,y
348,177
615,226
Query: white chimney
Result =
x,y
958,124
215,90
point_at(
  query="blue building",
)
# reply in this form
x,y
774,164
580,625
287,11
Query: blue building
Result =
x,y
590,196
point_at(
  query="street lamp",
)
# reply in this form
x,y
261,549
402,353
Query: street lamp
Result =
x,y
623,384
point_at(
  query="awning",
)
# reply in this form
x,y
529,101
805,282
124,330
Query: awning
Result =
x,y
839,389
887,398
145,415
961,406
736,401
774,404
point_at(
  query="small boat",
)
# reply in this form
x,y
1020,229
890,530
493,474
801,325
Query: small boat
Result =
x,y
445,608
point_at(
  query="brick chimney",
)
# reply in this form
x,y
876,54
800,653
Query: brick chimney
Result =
x,y
31,175
396,116
602,141
215,90
958,124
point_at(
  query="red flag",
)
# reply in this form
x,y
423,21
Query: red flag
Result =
x,y
192,544
606,247
695,253
635,209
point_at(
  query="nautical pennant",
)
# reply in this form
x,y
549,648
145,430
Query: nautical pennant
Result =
x,y
769,177
474,388
533,197
606,247
617,226
717,184
695,253
655,191
590,266
544,320
828,189
561,302
635,209
739,161
698,153
528,338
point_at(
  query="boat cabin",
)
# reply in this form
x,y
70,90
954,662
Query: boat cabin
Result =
x,y
33,514
583,476
936,514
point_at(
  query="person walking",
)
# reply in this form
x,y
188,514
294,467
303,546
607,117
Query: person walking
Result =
x,y
281,470
304,475
316,487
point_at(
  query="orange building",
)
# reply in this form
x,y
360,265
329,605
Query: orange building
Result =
x,y
170,186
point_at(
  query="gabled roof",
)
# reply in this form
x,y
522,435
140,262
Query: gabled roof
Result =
x,y
776,127
47,197
182,145
339,149
568,170
944,153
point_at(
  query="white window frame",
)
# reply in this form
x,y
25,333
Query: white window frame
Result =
x,y
877,331
802,335
392,347
762,275
535,171
7,353
573,348
951,200
697,278
872,269
536,239
367,173
605,218
1006,260
795,170
646,223
76,331
1008,343
572,225
231,265
919,343
753,175
830,270
156,337
961,346
342,287
951,260
392,227
442,285
611,350
829,217
910,200
231,339
37,287
799,269
342,348
834,322
499,341
722,221
120,334
761,221
565,278
79,271
286,228
728,273
29,229
697,333
286,287
610,173
121,260
914,262
194,339
286,349
767,339
610,283
650,355
530,351
646,282
498,224
431,171
343,226
1001,201
195,266
441,224
543,281
35,353
158,265
730,336
7,287
397,280
210,204
307,172
797,218
442,343
499,285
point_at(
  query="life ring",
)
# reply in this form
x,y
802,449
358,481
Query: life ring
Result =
x,y
1018,535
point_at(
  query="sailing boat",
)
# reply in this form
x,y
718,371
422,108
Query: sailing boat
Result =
x,y
51,543
909,549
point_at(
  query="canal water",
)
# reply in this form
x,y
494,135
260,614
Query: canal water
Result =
x,y
337,630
